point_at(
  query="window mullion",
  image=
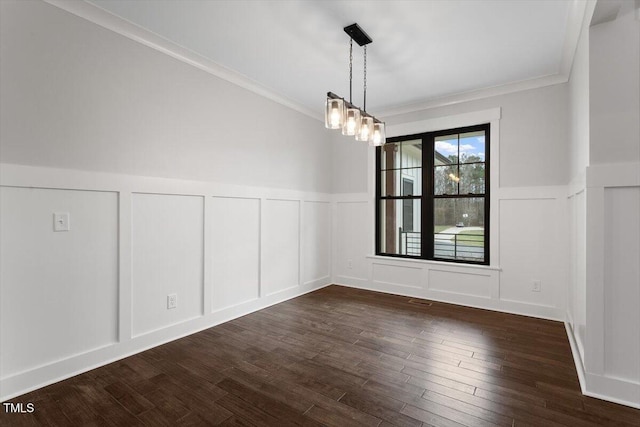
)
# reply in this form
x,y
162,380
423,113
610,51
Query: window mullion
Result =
x,y
378,247
427,196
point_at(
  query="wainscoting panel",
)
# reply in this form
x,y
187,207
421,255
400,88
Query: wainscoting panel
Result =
x,y
59,290
316,241
603,317
456,282
73,301
533,232
280,266
351,245
235,257
528,241
168,258
397,277
622,283
576,295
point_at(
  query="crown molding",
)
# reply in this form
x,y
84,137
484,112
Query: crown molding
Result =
x,y
575,22
474,95
105,19
579,10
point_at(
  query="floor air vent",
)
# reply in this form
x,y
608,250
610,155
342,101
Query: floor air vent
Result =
x,y
420,301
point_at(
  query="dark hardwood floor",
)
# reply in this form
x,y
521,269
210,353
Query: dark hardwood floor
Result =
x,y
340,357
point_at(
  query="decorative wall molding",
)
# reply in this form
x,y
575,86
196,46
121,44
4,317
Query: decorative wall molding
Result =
x,y
604,284
13,175
539,82
24,382
489,279
575,22
368,271
600,371
128,191
577,360
118,25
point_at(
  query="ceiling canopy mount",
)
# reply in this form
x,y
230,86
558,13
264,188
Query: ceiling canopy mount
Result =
x,y
357,34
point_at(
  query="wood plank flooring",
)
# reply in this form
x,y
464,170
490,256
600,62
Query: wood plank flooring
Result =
x,y
340,357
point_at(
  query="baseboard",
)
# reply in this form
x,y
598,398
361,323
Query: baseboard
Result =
x,y
592,385
322,281
485,303
353,282
614,390
577,359
24,382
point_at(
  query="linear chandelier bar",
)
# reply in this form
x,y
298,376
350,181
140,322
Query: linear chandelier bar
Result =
x,y
343,114
347,104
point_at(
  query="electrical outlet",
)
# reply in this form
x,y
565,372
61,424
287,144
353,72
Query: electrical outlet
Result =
x,y
536,286
349,264
172,301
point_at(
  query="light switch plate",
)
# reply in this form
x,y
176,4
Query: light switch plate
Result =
x,y
61,221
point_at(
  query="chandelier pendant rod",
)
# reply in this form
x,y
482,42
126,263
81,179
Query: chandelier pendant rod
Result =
x,y
364,104
351,71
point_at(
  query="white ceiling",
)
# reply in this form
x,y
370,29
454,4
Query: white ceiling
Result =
x,y
422,51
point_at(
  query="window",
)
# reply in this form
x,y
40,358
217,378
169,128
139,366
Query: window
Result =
x,y
432,199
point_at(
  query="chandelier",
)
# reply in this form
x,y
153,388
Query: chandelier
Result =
x,y
342,114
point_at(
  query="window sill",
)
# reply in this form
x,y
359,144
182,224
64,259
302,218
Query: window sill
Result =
x,y
435,263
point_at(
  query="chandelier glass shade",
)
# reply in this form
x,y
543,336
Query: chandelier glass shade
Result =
x,y
378,134
351,125
334,113
365,133
342,114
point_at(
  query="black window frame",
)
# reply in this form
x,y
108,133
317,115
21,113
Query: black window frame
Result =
x,y
405,214
427,195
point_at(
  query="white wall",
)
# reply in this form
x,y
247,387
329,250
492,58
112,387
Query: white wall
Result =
x,y
611,355
576,196
577,284
349,164
59,290
316,242
611,359
79,299
169,191
533,129
177,181
579,108
78,96
235,246
614,70
533,133
604,208
534,252
352,243
533,247
167,257
280,263
622,278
